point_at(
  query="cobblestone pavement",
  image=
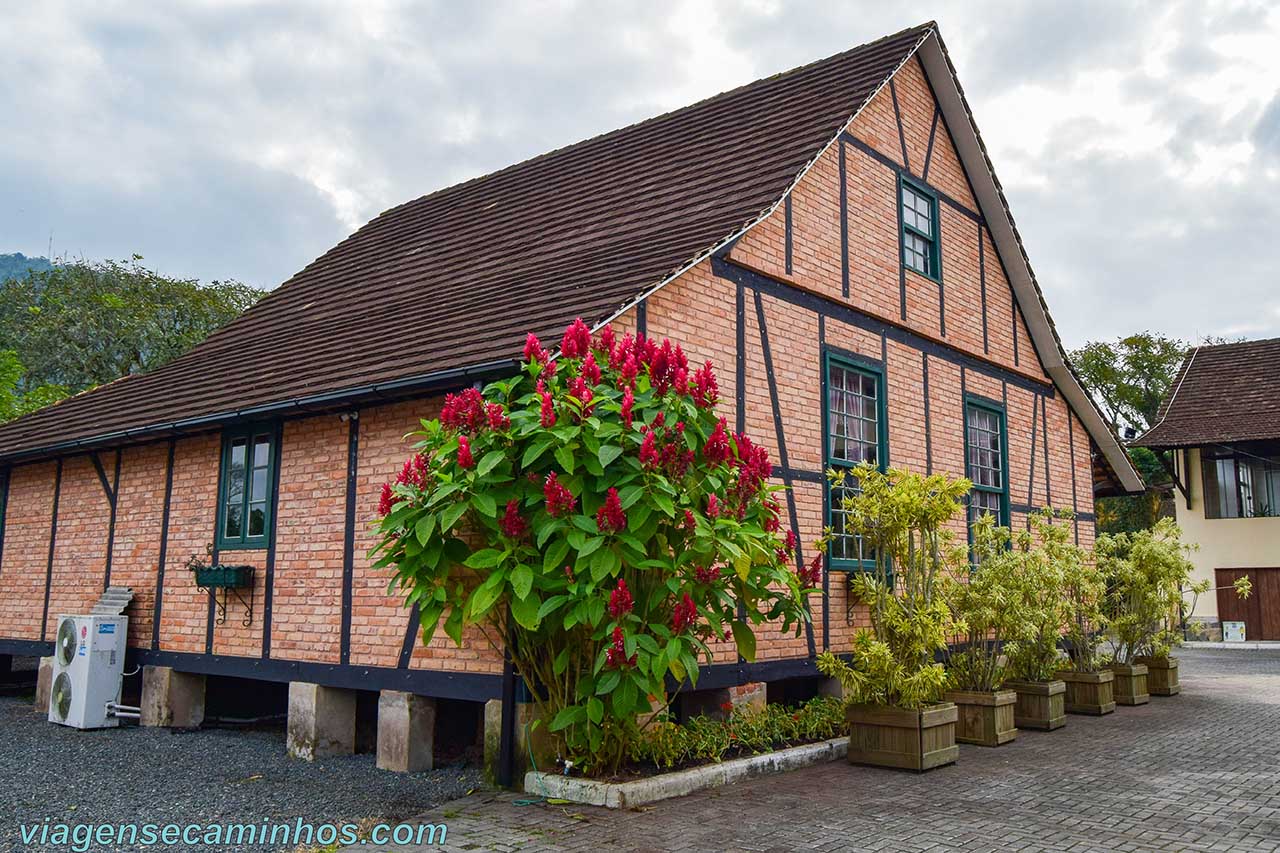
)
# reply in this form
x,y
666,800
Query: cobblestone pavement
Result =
x,y
1200,771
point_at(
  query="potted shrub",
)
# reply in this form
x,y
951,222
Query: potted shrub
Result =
x,y
1090,684
894,684
595,520
1038,584
984,601
1147,573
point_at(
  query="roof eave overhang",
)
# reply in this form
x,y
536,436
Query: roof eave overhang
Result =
x,y
1004,233
327,401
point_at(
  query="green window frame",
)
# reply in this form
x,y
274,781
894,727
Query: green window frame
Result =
x,y
245,486
986,459
920,243
855,429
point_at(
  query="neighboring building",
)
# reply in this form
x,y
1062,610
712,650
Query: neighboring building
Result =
x,y
832,238
1219,435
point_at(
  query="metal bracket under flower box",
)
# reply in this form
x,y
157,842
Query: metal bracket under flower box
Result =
x,y
224,578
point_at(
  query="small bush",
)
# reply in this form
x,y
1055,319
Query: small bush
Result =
x,y
666,744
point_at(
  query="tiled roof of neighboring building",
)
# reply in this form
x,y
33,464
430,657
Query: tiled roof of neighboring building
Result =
x,y
454,280
1223,393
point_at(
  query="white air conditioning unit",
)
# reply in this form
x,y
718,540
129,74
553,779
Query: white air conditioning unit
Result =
x,y
88,670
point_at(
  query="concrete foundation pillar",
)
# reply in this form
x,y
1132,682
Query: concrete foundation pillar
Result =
x,y
528,739
830,687
172,699
406,732
754,694
44,683
322,721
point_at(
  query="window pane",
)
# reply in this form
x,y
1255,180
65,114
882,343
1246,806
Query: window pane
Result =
x,y
257,519
233,527
235,471
261,451
258,491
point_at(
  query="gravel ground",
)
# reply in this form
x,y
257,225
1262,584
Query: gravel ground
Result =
x,y
210,776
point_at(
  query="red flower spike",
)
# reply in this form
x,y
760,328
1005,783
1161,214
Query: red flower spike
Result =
x,y
568,572
616,654
548,410
560,501
464,453
628,402
717,449
386,500
684,614
549,369
497,416
707,574
680,382
610,517
705,392
649,450
791,540
618,355
576,341
607,340
578,388
533,351
620,601
512,525
811,576
590,370
713,506
414,472
464,412
689,522
630,369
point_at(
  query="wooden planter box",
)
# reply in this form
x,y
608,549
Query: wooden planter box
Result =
x,y
1089,692
1162,676
984,719
884,736
1040,704
1130,684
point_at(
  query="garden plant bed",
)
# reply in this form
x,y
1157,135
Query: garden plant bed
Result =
x,y
663,786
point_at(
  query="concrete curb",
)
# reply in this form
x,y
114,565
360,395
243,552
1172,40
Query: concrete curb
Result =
x,y
621,795
1254,645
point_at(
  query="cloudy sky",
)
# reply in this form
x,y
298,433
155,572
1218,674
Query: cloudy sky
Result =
x,y
1139,143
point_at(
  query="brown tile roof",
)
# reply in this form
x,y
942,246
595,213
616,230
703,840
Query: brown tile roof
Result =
x,y
455,279
1224,393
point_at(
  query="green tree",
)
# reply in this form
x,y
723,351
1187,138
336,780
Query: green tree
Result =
x,y
1131,375
18,265
80,324
13,402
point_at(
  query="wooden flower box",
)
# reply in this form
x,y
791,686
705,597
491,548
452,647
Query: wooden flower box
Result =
x,y
1130,684
1089,692
884,736
1162,676
984,719
1040,704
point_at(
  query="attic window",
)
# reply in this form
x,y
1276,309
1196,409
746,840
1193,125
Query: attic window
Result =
x,y
919,229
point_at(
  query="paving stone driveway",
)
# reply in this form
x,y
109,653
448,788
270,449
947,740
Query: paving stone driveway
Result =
x,y
1200,771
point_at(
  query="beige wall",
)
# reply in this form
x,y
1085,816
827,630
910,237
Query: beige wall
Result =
x,y
1225,543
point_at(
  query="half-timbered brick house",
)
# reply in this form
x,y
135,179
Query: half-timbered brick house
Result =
x,y
833,238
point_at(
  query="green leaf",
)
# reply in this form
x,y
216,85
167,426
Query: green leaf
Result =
x,y
595,710
451,514
607,682
624,698
553,560
425,527
535,450
490,461
590,546
486,559
630,495
521,580
485,504
608,453
549,606
453,625
525,612
564,455
745,639
566,717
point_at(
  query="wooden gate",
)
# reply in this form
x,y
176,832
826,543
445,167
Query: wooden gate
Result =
x,y
1260,613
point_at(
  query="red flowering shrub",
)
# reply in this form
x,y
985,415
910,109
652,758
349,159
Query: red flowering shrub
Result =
x,y
596,509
